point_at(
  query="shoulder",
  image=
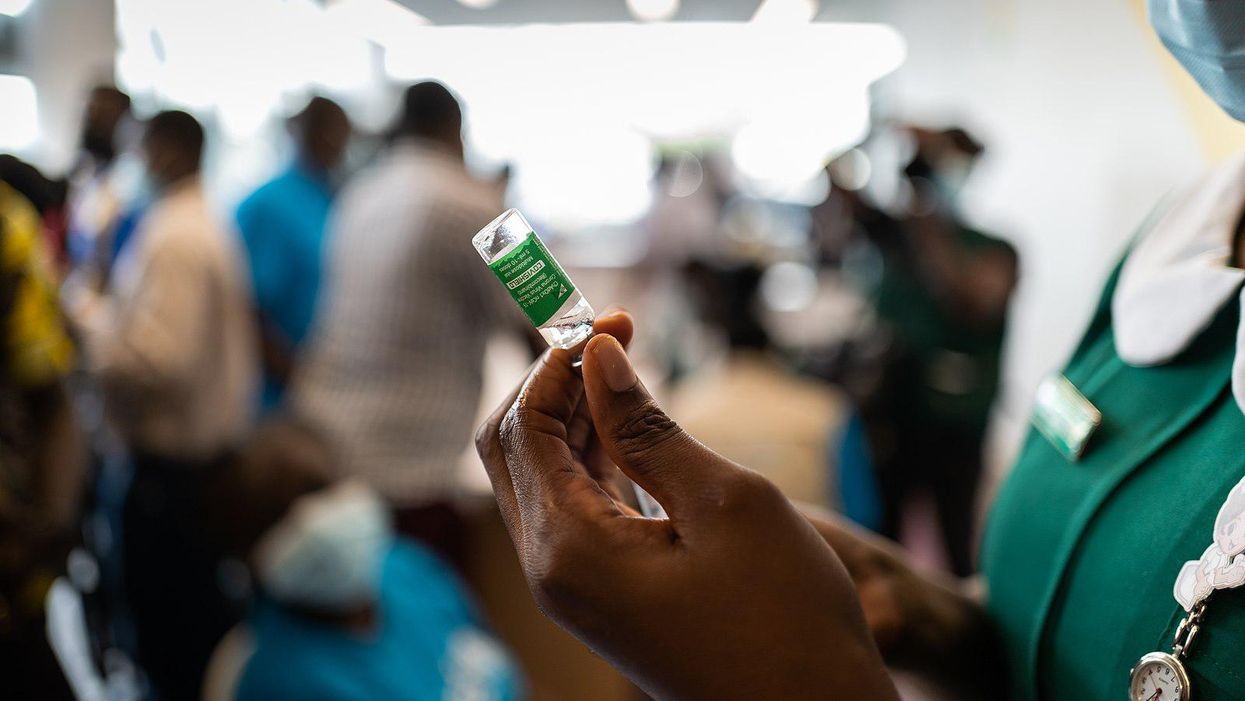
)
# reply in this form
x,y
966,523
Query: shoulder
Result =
x,y
411,568
468,194
388,183
270,676
20,224
185,208
187,232
447,184
287,663
262,198
459,208
409,562
987,242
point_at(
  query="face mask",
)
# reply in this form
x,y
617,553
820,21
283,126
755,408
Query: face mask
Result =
x,y
145,189
129,179
1207,37
952,174
99,145
326,552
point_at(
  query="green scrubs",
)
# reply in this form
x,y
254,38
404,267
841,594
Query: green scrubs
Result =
x,y
1080,557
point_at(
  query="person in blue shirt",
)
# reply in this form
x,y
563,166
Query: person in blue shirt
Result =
x,y
283,227
345,610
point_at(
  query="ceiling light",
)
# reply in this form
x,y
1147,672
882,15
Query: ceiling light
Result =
x,y
385,22
13,8
19,120
788,11
653,10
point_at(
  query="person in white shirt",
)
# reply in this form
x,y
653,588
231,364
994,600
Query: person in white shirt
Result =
x,y
173,348
98,197
392,374
173,342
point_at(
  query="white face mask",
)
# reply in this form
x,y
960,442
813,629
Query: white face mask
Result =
x,y
326,552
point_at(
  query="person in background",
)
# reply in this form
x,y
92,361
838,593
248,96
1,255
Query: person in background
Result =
x,y
393,372
942,302
843,228
344,610
783,430
172,347
689,194
41,451
95,199
282,225
501,181
683,223
46,194
848,218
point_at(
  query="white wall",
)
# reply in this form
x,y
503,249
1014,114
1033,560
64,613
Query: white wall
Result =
x,y
67,46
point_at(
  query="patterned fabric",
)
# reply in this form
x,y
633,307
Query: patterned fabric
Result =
x,y
35,352
393,371
37,348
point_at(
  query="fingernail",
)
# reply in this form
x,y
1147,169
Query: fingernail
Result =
x,y
614,364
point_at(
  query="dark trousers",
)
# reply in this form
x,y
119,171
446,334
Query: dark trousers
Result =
x,y
171,576
946,465
28,668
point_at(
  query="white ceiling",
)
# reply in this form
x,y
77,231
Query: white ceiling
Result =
x,y
557,11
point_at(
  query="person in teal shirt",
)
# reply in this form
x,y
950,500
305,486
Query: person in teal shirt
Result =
x,y
283,226
344,610
426,645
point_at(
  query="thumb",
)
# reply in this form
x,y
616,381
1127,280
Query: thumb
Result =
x,y
638,436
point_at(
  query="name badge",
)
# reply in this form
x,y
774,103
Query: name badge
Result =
x,y
1064,416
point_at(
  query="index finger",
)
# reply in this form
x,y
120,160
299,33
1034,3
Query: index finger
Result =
x,y
534,436
488,447
616,322
557,399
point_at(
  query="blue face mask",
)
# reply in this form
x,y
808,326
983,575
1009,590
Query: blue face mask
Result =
x,y
1208,38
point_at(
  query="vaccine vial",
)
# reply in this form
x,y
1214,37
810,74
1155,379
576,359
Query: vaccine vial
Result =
x,y
540,286
544,292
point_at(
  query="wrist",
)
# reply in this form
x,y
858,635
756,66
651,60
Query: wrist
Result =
x,y
841,670
949,638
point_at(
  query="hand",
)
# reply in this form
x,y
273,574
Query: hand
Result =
x,y
888,589
735,596
922,623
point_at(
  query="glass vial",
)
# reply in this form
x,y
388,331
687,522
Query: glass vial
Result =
x,y
544,292
540,286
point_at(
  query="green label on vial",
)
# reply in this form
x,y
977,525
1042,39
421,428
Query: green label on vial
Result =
x,y
534,279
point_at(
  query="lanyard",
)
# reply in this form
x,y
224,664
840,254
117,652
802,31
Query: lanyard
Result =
x,y
1161,676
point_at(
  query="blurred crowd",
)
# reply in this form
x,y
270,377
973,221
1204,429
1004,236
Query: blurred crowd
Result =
x,y
229,446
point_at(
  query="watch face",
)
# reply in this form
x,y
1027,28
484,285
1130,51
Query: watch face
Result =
x,y
1159,677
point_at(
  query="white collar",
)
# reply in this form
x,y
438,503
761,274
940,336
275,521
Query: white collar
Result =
x,y
1177,278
